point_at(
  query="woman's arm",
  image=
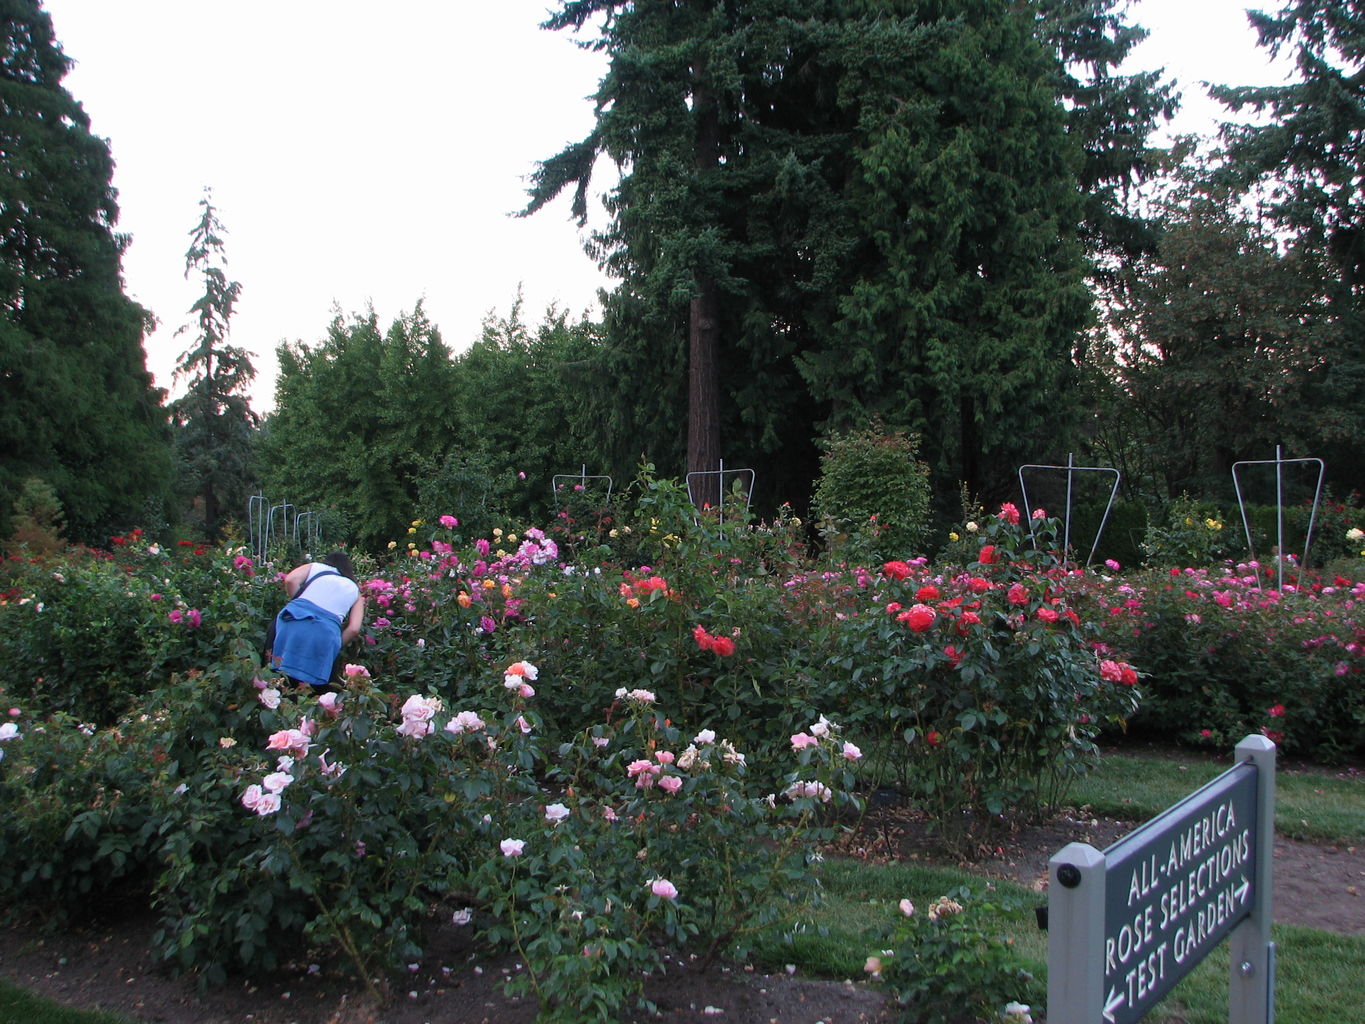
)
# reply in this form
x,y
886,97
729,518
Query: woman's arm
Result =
x,y
294,580
355,622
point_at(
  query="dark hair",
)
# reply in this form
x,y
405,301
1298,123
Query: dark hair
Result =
x,y
340,561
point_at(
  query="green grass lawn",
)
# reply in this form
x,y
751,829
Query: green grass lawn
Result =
x,y
20,1007
1317,805
1320,975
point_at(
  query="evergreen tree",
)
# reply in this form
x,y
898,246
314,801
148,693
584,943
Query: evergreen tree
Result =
x,y
1222,341
1113,117
360,420
520,406
214,420
1307,166
77,406
835,211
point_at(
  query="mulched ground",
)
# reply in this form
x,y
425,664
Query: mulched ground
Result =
x,y
109,967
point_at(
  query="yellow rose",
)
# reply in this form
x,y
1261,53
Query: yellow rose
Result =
x,y
463,600
412,529
954,536
393,544
489,584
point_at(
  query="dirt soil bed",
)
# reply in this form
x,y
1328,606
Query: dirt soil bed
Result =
x,y
109,966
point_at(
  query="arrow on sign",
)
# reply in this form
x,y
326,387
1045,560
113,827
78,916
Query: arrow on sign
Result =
x,y
1241,891
1111,1003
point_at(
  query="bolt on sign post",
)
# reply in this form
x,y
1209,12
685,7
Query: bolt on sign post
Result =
x,y
1126,924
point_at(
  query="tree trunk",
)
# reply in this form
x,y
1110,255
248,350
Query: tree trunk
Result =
x,y
703,393
703,327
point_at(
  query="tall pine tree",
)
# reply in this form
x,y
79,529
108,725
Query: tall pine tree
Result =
x,y
77,406
213,419
839,210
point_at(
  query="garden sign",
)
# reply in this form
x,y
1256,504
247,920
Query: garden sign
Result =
x,y
1125,925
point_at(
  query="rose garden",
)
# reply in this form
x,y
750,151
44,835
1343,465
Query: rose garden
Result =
x,y
614,740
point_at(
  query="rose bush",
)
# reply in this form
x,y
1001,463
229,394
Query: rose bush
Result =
x,y
499,752
981,683
1219,647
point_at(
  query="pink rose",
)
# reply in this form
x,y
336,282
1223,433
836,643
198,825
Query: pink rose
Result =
x,y
802,740
512,847
663,888
670,783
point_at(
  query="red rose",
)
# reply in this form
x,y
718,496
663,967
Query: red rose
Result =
x,y
928,592
896,570
723,646
987,556
934,739
919,618
703,638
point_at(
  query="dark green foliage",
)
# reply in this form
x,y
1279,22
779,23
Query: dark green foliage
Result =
x,y
874,489
361,419
1305,164
214,421
968,288
37,520
1218,345
863,209
521,415
388,427
77,406
1123,532
1112,115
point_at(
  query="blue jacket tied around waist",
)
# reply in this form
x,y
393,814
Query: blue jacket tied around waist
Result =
x,y
307,641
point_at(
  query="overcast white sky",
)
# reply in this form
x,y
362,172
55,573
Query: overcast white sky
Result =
x,y
371,154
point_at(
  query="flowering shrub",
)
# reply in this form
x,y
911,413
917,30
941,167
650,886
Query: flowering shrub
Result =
x,y
1219,647
78,830
1194,534
980,683
942,966
90,635
645,841
559,812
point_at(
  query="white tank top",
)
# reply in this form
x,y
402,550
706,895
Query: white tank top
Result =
x,y
333,592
